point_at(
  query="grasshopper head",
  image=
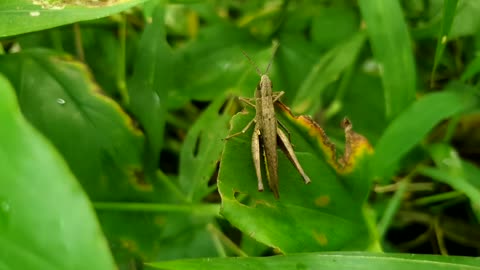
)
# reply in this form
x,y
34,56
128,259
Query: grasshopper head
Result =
x,y
265,85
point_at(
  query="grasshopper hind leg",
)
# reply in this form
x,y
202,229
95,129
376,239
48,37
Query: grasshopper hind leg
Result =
x,y
287,148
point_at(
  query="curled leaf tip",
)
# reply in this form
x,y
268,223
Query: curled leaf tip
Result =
x,y
356,146
314,130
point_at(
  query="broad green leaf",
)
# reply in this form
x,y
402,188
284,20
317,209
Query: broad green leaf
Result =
x,y
325,71
202,149
46,221
150,85
461,175
409,128
391,46
327,261
448,15
324,215
23,16
96,138
158,231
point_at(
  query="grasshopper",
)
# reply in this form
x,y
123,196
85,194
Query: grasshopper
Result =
x,y
267,134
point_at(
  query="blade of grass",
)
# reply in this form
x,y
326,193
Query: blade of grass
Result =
x,y
392,207
449,8
471,70
325,71
392,49
413,124
325,261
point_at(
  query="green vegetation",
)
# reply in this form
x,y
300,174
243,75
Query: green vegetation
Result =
x,y
113,116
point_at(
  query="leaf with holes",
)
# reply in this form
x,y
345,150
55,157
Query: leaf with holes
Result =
x,y
327,214
150,85
202,149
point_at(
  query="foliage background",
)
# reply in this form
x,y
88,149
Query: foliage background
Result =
x,y
130,100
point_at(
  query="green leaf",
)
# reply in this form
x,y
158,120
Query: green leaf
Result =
x,y
46,221
153,231
472,69
293,61
345,21
324,215
202,150
392,49
327,261
467,21
96,138
325,71
150,85
459,174
448,15
210,65
414,123
370,123
23,16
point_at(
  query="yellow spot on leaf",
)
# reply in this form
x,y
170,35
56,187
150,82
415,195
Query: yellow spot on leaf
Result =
x,y
129,245
322,201
159,221
321,238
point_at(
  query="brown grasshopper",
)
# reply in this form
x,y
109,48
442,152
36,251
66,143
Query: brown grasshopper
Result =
x,y
267,134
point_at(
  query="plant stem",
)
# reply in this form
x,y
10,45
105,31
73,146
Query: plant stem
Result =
x,y
200,209
78,42
226,241
121,82
172,187
438,198
392,207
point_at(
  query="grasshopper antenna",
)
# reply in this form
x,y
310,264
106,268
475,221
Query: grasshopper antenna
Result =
x,y
253,63
275,47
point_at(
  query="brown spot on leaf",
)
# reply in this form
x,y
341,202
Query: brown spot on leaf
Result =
x,y
322,201
320,238
139,182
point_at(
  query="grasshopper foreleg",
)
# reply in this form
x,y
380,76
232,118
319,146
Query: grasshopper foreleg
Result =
x,y
242,131
277,96
247,101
